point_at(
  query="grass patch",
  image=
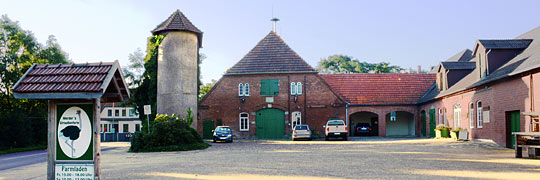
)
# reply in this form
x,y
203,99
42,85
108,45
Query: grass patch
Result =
x,y
24,149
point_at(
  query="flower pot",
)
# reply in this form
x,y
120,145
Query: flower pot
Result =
x,y
454,135
445,133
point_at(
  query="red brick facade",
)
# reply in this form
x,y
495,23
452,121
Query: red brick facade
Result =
x,y
317,103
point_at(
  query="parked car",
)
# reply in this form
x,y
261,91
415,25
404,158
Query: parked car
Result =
x,y
335,128
301,132
223,133
363,129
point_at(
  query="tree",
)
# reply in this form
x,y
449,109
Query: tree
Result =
x,y
338,64
205,88
23,120
135,68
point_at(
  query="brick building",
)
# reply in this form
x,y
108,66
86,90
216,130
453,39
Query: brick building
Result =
x,y
272,88
490,91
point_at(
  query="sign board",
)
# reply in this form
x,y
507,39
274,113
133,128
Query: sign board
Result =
x,y
74,171
147,109
74,127
463,134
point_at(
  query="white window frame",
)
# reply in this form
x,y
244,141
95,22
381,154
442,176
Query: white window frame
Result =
x,y
471,115
240,89
296,117
293,88
445,116
440,116
246,119
246,89
479,116
299,88
457,116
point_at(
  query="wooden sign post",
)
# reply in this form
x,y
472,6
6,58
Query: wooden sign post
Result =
x,y
75,93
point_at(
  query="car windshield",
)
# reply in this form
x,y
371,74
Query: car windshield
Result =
x,y
334,123
363,125
223,130
301,128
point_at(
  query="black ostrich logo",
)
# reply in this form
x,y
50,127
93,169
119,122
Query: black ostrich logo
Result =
x,y
72,133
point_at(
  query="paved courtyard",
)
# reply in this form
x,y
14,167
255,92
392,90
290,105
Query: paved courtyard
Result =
x,y
362,158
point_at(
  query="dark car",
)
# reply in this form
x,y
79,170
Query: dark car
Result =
x,y
363,129
223,133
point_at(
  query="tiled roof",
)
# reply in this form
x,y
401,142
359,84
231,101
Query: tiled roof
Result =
x,y
463,56
506,43
458,65
64,78
71,80
527,60
270,55
178,22
391,88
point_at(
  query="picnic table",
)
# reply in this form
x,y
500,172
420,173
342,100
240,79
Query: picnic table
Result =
x,y
529,140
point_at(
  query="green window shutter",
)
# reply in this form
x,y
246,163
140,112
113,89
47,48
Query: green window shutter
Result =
x,y
269,87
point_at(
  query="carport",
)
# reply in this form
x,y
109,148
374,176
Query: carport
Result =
x,y
400,123
364,117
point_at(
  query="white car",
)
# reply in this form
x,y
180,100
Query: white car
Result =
x,y
335,128
301,132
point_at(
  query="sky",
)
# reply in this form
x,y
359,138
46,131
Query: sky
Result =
x,y
403,33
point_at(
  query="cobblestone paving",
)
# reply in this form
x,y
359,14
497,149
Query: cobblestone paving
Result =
x,y
359,158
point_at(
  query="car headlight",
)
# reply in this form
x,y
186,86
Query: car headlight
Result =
x,y
229,135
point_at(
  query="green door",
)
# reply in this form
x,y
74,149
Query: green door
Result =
x,y
270,124
515,125
208,126
423,122
432,122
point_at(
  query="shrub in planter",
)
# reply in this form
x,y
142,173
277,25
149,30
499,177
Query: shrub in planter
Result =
x,y
169,133
442,131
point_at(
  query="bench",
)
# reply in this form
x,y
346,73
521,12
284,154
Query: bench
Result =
x,y
521,142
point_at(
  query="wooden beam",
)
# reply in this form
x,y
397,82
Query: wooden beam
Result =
x,y
51,143
115,82
97,140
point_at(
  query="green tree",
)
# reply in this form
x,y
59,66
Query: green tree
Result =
x,y
135,68
338,64
23,120
205,88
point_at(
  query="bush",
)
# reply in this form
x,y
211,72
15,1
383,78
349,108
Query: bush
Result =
x,y
168,133
456,130
442,128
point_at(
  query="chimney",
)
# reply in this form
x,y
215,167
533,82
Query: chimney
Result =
x,y
419,69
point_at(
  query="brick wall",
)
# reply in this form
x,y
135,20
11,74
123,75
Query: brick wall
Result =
x,y
317,102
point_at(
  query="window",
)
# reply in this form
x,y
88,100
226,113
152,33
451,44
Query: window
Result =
x,y
269,87
116,112
457,116
105,127
246,89
445,117
440,116
137,127
240,89
293,88
109,113
244,122
479,117
125,128
299,88
131,112
123,112
471,115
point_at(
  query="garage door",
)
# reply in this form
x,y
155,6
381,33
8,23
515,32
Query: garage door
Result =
x,y
270,124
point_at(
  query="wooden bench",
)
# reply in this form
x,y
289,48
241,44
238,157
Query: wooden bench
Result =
x,y
521,142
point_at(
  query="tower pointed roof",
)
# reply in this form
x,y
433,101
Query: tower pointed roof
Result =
x,y
271,55
178,22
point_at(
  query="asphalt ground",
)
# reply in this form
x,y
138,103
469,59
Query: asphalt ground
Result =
x,y
360,158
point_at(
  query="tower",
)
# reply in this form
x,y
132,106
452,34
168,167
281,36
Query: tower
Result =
x,y
177,66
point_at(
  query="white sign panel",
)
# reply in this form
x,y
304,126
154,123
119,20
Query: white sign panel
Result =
x,y
74,171
147,110
74,132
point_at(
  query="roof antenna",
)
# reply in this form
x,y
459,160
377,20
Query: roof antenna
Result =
x,y
274,20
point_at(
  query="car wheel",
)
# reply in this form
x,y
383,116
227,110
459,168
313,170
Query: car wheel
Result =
x,y
345,138
293,139
214,140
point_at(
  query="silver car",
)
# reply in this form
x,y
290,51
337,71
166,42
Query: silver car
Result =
x,y
301,132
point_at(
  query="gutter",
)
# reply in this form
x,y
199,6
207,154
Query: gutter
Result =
x,y
289,72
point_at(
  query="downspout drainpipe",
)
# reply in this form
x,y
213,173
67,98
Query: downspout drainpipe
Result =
x,y
347,114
